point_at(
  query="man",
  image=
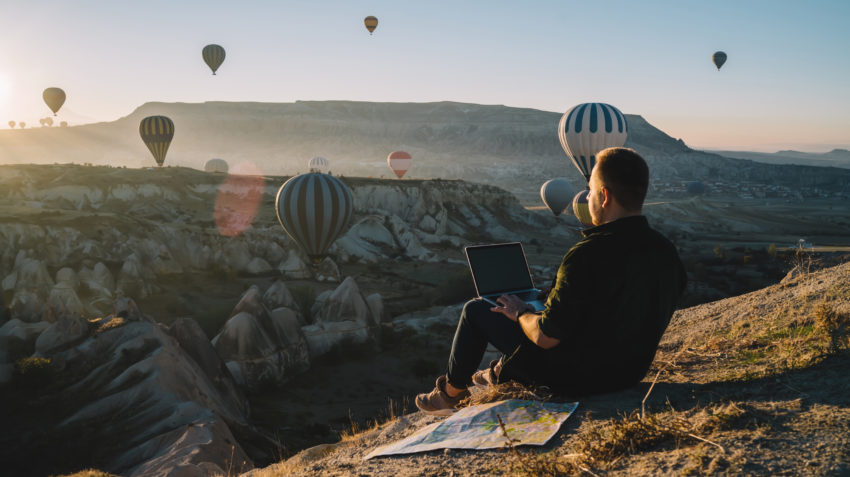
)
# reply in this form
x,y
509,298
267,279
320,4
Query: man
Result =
x,y
611,301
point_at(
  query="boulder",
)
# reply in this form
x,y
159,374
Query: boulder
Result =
x,y
371,229
250,302
131,279
17,338
258,266
261,347
294,267
192,339
181,420
340,316
61,334
164,265
28,306
327,271
197,451
278,295
68,277
242,338
257,359
63,301
236,255
9,281
102,276
408,240
376,306
125,307
428,224
22,330
323,337
348,249
32,275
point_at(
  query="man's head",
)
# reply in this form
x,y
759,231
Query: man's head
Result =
x,y
618,185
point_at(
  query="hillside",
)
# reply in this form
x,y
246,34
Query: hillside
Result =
x,y
133,282
752,385
833,158
514,148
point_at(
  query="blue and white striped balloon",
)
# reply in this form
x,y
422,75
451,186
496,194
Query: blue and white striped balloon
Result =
x,y
318,164
314,209
588,128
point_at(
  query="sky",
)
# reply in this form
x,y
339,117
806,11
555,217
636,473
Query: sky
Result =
x,y
786,84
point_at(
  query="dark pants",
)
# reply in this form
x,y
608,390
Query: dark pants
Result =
x,y
477,327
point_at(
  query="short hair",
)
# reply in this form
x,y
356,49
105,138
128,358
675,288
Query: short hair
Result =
x,y
625,174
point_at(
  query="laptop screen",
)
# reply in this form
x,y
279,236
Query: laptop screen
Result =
x,y
498,268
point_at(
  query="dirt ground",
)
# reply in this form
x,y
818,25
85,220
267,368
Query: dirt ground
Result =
x,y
753,385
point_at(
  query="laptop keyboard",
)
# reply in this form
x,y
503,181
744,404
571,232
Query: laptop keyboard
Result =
x,y
528,296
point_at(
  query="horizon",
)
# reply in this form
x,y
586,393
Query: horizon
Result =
x,y
518,56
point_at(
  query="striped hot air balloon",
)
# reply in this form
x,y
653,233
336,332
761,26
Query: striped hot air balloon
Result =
x,y
557,195
581,208
399,162
54,98
213,56
314,209
371,23
157,132
588,128
216,166
718,58
318,164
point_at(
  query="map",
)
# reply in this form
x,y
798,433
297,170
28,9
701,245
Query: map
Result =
x,y
477,427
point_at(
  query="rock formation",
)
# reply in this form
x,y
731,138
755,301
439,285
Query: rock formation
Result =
x,y
343,316
262,348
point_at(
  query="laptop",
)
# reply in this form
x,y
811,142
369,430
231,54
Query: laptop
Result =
x,y
501,269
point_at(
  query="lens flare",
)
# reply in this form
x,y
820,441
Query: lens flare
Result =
x,y
238,199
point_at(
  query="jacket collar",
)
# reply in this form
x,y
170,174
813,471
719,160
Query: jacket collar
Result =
x,y
618,226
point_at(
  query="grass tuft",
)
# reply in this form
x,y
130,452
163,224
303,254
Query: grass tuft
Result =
x,y
503,391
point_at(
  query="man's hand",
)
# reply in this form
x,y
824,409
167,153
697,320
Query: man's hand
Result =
x,y
512,307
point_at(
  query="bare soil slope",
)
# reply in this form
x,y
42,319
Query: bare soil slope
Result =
x,y
755,384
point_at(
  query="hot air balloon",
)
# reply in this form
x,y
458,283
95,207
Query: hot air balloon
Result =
x,y
12,124
557,195
216,166
314,209
63,124
588,128
718,58
371,23
399,162
54,97
213,56
157,132
581,209
22,124
318,164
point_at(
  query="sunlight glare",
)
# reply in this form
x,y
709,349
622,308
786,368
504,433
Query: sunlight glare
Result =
x,y
5,88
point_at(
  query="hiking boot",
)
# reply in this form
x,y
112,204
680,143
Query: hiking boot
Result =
x,y
486,377
438,402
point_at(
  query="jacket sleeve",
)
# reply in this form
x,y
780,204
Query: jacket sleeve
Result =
x,y
568,297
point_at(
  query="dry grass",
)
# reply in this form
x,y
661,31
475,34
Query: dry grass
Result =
x,y
115,322
90,473
503,391
602,445
355,431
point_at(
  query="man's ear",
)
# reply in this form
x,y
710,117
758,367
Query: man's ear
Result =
x,y
608,197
